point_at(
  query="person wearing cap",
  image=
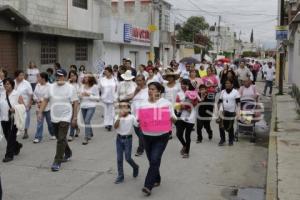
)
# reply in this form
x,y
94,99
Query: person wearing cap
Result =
x,y
127,87
64,109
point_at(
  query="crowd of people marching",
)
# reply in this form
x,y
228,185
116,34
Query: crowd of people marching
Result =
x,y
157,102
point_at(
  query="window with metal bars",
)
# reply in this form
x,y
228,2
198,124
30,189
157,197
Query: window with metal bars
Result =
x,y
81,4
81,50
48,51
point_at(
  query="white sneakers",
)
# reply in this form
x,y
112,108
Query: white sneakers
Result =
x,y
35,141
52,138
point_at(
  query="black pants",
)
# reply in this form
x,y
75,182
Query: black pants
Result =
x,y
10,133
62,148
206,125
139,133
154,147
228,125
184,129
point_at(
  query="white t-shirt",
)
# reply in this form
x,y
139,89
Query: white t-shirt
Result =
x,y
138,98
4,107
229,100
90,101
125,89
2,89
171,93
126,124
32,75
189,117
269,74
153,79
61,98
40,92
145,74
108,88
24,88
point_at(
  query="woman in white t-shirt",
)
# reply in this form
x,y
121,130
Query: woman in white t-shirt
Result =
x,y
40,92
89,96
108,88
32,73
140,95
2,77
7,112
152,77
229,104
73,80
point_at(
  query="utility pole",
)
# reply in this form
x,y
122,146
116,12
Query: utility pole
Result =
x,y
281,53
152,32
219,35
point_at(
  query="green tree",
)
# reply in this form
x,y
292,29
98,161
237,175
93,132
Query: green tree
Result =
x,y
191,27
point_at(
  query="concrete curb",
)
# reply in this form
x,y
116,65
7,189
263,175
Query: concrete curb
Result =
x,y
272,173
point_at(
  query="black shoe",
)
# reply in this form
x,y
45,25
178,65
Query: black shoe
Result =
x,y
7,159
67,158
221,143
170,137
146,191
17,152
119,180
199,141
25,136
230,143
109,128
136,172
138,153
210,136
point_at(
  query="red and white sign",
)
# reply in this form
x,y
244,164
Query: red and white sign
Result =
x,y
140,35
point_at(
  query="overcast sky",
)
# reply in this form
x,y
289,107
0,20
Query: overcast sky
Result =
x,y
261,15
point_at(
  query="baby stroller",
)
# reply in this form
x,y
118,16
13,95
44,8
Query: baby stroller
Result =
x,y
246,123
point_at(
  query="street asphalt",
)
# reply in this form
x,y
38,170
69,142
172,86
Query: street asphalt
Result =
x,y
211,172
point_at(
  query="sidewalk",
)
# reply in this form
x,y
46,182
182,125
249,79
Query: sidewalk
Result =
x,y
283,180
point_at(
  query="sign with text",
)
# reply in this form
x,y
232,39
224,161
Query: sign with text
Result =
x,y
155,120
136,34
281,33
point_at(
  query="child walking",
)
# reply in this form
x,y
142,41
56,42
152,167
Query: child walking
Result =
x,y
123,125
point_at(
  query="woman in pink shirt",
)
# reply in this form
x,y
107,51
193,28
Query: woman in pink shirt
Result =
x,y
211,82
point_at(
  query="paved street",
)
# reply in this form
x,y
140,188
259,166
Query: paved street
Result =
x,y
211,172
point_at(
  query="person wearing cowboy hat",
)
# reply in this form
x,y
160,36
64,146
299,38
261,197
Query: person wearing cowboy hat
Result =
x,y
127,87
172,87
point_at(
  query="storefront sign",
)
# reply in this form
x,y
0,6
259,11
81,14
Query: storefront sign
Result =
x,y
136,34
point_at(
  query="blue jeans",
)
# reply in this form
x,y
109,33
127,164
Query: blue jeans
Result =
x,y
124,145
40,126
87,114
27,120
154,147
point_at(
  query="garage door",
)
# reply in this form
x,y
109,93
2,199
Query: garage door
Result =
x,y
8,52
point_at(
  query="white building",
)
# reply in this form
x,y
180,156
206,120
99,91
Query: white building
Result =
x,y
126,34
43,31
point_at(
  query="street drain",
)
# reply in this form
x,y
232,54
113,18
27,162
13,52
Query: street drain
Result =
x,y
235,193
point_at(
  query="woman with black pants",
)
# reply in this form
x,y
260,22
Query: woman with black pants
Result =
x,y
155,131
7,104
185,109
229,105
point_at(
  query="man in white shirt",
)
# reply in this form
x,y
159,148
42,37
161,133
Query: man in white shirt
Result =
x,y
64,108
269,75
24,88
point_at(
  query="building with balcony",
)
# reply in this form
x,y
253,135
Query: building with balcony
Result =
x,y
46,32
